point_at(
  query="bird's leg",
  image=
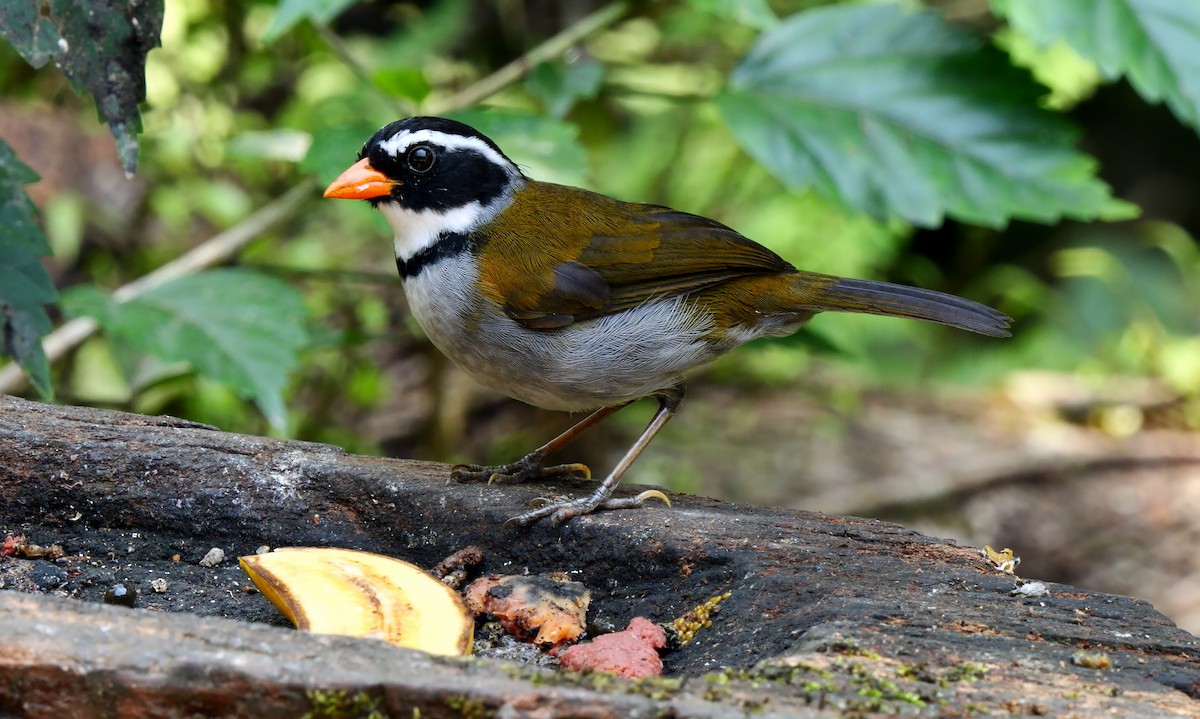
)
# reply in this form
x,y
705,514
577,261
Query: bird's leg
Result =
x,y
601,498
531,466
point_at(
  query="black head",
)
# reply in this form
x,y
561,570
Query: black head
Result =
x,y
438,164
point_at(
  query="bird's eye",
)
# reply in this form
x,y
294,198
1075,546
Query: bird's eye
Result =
x,y
420,158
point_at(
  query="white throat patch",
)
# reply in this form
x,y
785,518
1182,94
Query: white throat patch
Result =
x,y
418,231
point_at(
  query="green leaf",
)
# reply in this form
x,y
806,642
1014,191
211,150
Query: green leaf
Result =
x,y
25,287
559,85
1070,77
433,31
291,12
233,325
1152,42
87,301
100,45
753,13
547,148
885,111
336,148
407,82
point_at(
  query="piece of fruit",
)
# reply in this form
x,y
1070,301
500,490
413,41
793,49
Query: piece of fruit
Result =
x,y
546,610
344,591
631,653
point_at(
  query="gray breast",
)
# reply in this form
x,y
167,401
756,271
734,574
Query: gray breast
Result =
x,y
604,361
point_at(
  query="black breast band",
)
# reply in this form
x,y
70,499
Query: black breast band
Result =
x,y
448,244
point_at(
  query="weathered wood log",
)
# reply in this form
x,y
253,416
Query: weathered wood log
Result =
x,y
1027,466
828,616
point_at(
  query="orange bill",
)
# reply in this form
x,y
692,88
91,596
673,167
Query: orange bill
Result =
x,y
360,182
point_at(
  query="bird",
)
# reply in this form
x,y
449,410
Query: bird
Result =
x,y
571,300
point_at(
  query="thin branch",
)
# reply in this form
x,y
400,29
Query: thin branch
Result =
x,y
211,252
339,48
515,70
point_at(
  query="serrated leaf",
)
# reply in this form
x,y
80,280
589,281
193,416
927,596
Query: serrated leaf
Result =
x,y
291,12
100,45
233,325
1069,76
898,114
547,148
1152,42
25,286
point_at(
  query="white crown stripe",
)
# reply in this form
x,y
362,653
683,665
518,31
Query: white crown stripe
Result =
x,y
401,141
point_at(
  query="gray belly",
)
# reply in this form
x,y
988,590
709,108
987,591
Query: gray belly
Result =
x,y
600,362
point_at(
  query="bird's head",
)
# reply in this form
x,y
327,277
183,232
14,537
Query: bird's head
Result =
x,y
430,176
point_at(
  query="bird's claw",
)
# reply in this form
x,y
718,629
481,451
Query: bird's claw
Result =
x,y
561,511
639,500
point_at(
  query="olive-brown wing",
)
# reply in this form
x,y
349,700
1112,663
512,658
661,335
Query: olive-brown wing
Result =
x,y
561,255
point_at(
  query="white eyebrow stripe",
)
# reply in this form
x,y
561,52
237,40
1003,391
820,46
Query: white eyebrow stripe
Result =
x,y
404,139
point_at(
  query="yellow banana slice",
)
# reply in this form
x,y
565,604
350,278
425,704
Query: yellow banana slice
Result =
x,y
344,591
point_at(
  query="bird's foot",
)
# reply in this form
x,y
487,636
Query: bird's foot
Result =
x,y
526,468
561,511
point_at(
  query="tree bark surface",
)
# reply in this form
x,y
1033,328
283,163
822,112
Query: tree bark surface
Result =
x,y
827,616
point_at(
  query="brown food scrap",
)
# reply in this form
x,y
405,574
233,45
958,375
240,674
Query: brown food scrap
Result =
x,y
19,546
631,653
39,551
453,570
548,610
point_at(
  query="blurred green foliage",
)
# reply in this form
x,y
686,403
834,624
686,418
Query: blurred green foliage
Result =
x,y
238,327
29,289
245,100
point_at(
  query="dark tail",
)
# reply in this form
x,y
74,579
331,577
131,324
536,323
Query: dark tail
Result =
x,y
831,294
